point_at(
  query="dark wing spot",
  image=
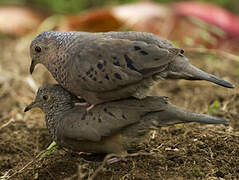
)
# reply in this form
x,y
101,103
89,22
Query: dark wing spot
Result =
x,y
123,116
87,73
181,51
107,77
99,119
94,118
100,66
116,63
137,48
129,63
143,53
83,78
91,75
94,78
91,69
117,75
95,72
105,62
110,113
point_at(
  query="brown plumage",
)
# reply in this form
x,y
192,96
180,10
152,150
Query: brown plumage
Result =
x,y
113,127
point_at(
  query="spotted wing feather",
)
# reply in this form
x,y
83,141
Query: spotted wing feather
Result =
x,y
104,64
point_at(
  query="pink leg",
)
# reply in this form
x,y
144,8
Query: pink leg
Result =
x,y
90,107
113,160
85,153
82,104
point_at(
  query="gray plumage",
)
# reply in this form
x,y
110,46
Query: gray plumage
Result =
x,y
101,67
112,127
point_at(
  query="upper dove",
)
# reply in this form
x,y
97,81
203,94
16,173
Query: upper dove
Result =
x,y
101,67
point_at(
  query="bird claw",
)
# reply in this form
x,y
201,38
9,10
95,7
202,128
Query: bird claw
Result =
x,y
113,160
90,107
85,104
84,153
82,104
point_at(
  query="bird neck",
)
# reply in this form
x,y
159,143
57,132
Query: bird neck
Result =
x,y
57,67
53,115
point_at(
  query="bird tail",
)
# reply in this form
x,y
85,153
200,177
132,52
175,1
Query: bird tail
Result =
x,y
181,68
175,115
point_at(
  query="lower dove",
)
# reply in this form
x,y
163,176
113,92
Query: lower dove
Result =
x,y
112,127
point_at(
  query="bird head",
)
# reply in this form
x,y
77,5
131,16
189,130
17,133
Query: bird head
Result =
x,y
52,98
43,48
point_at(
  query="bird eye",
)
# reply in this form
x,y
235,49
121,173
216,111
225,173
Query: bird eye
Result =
x,y
45,97
38,49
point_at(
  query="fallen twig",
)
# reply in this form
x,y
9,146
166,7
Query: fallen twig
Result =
x,y
7,123
26,166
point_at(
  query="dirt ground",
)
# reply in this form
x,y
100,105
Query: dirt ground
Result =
x,y
184,151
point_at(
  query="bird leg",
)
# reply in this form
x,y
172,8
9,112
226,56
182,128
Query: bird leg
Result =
x,y
113,158
90,107
85,104
84,153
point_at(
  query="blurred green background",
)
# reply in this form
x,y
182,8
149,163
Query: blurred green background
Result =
x,y
75,6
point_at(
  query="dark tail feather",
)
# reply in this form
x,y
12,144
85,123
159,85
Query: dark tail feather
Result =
x,y
175,115
197,74
182,69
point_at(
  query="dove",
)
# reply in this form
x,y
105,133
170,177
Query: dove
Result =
x,y
102,67
112,127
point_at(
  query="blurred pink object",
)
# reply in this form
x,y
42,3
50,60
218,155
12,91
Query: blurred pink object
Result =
x,y
211,14
146,16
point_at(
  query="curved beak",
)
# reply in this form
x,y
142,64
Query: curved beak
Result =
x,y
30,106
33,64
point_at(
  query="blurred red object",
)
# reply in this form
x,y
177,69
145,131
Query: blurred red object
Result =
x,y
98,20
212,14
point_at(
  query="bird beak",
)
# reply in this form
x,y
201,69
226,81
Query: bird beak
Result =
x,y
33,64
30,106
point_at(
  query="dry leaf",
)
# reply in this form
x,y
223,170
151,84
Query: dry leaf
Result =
x,y
100,20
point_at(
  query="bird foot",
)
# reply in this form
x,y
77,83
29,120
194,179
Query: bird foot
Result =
x,y
82,104
90,107
84,153
85,104
113,160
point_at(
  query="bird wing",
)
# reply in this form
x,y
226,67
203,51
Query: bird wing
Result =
x,y
99,122
104,63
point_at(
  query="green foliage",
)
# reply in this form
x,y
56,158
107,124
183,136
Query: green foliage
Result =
x,y
50,149
214,107
197,172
